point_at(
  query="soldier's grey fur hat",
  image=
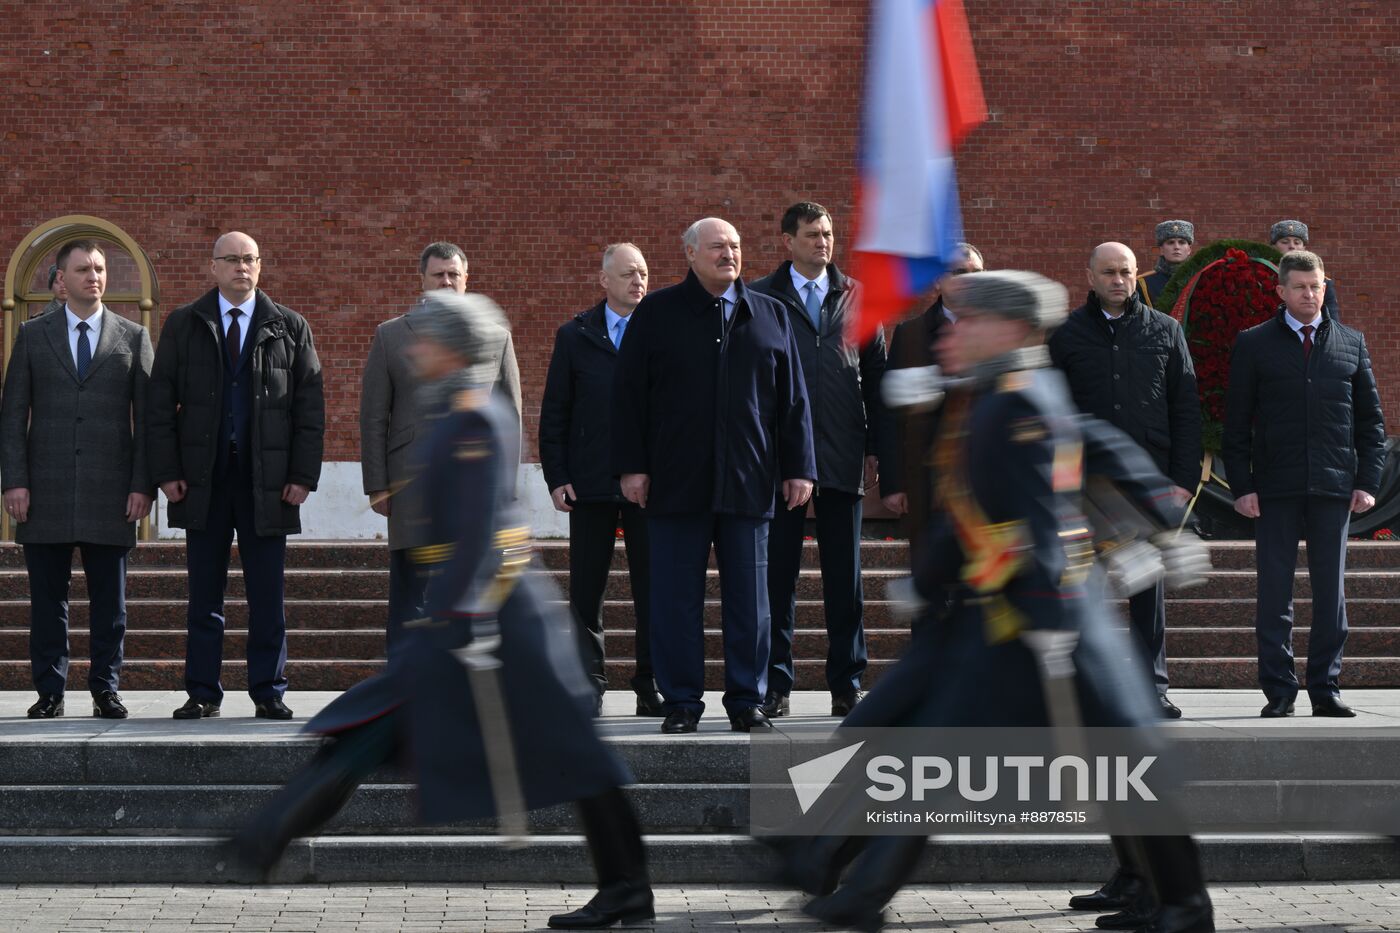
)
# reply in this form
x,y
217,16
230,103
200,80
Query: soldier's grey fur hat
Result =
x,y
466,324
1176,228
53,274
1288,228
1009,293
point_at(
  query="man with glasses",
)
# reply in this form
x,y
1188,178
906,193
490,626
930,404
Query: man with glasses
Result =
x,y
236,422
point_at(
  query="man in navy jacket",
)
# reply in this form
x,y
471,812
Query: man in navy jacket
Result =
x,y
710,425
576,456
1304,443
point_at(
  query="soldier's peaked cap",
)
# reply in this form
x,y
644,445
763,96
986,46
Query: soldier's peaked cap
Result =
x,y
1009,293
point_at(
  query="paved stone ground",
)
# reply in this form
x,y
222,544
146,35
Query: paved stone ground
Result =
x,y
1307,908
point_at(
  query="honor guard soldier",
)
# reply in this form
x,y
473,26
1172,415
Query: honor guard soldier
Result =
x,y
1174,241
1007,544
1289,235
485,700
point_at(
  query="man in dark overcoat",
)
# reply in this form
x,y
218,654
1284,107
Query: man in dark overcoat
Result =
x,y
389,419
1304,445
485,701
73,459
576,457
710,426
236,422
1128,364
842,383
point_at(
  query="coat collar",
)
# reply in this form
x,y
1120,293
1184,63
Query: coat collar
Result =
x,y
702,301
55,328
268,319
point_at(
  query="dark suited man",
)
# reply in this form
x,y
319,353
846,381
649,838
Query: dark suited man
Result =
x,y
1287,236
236,420
710,425
904,438
389,419
1128,364
1304,442
576,456
73,458
1174,241
842,381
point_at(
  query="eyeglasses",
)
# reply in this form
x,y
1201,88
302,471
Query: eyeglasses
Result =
x,y
245,260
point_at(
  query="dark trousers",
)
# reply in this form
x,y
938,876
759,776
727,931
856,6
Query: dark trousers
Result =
x,y
408,589
592,537
1321,522
1147,611
50,571
838,517
680,550
263,558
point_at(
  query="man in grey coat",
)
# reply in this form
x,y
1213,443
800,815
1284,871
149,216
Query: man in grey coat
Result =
x,y
389,416
73,459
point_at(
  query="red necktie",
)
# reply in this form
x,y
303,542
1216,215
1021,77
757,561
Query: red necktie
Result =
x,y
1307,341
234,337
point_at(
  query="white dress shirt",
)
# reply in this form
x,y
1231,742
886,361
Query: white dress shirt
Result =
x,y
244,319
94,324
800,281
1298,325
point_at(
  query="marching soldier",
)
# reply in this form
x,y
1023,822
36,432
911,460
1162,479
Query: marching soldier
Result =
x,y
1289,235
1007,545
1174,241
485,700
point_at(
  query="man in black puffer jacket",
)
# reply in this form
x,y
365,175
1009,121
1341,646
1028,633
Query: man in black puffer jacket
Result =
x,y
1128,364
1304,444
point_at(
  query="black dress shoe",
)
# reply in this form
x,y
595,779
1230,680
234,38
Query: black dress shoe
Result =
x,y
847,912
1118,893
1277,709
1131,918
843,704
1195,917
776,704
750,720
679,721
108,705
197,709
1169,709
619,903
271,709
649,703
1334,707
48,707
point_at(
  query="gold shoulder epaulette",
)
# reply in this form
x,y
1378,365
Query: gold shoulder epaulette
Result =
x,y
470,399
1017,381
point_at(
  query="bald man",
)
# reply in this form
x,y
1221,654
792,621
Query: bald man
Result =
x,y
235,421
1129,365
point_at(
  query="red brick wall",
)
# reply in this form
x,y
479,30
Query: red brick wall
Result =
x,y
345,136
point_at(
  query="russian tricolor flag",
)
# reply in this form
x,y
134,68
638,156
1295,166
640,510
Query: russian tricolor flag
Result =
x,y
922,97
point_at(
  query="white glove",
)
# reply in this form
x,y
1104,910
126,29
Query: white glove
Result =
x,y
908,604
916,387
1185,558
1132,568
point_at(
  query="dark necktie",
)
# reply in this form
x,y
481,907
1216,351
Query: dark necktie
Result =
x,y
1307,341
234,338
84,350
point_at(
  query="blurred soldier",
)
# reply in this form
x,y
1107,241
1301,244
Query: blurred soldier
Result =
x,y
389,419
236,422
710,424
1286,236
485,701
576,455
1009,543
73,457
1128,364
1174,241
842,383
904,435
59,291
1304,443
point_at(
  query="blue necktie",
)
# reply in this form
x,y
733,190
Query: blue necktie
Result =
x,y
814,306
84,350
617,337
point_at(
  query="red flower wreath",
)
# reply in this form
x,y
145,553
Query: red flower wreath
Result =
x,y
1229,295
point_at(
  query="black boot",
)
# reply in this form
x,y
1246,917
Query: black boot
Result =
x,y
813,864
1121,891
879,873
314,795
1174,864
619,860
